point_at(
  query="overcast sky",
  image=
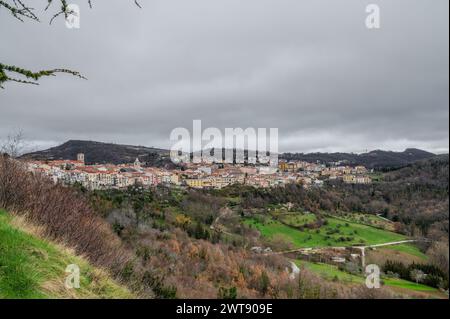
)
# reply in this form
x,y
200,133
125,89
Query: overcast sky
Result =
x,y
311,68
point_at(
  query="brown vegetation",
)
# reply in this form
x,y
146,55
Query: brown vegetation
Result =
x,y
155,263
62,213
157,250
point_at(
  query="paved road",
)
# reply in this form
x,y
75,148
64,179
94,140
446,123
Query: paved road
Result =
x,y
392,243
296,270
384,218
306,249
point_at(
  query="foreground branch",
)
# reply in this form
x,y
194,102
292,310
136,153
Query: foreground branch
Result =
x,y
32,77
21,11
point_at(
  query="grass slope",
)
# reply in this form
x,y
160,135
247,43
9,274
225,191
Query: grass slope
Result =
x,y
409,249
331,272
32,268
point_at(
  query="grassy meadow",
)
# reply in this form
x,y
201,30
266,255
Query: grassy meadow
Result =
x,y
334,233
333,273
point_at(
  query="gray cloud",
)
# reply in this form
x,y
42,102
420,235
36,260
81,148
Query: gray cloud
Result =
x,y
310,68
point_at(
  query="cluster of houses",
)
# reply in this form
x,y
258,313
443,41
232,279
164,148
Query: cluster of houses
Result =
x,y
195,175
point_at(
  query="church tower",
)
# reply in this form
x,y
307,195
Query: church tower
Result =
x,y
80,157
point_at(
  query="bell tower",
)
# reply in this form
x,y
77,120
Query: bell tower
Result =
x,y
80,157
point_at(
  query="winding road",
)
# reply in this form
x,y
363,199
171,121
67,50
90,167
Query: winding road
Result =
x,y
306,249
362,248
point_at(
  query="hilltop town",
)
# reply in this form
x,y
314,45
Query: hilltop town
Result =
x,y
196,175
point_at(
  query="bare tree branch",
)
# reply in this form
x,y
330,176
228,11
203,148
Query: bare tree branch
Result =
x,y
13,145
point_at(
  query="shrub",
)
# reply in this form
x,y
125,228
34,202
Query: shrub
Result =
x,y
227,293
63,212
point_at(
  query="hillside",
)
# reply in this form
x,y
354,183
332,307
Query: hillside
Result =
x,y
101,153
430,171
145,237
377,159
32,267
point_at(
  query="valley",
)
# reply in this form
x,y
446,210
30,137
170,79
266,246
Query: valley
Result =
x,y
240,241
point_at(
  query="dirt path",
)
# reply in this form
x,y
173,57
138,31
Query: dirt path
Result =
x,y
224,211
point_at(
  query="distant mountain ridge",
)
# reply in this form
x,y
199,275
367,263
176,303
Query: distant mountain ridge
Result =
x,y
102,153
377,159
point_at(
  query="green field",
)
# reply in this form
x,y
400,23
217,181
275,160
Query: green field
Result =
x,y
331,272
400,283
34,268
336,233
298,219
367,219
408,249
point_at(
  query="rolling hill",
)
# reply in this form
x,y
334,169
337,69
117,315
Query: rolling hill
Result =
x,y
102,153
377,159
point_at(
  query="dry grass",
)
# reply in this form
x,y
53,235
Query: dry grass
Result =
x,y
59,214
34,267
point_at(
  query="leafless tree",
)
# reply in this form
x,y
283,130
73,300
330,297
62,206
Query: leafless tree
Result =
x,y
438,253
14,145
